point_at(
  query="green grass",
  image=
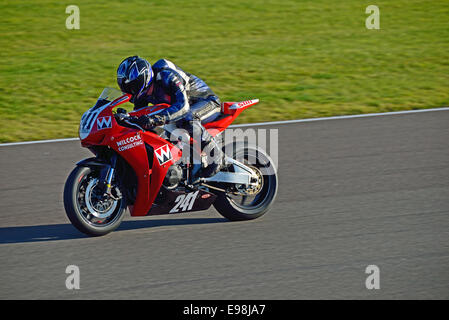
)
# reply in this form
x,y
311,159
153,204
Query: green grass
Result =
x,y
303,59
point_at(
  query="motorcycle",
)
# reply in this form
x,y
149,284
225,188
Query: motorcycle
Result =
x,y
145,171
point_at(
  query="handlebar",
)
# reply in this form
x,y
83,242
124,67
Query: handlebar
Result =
x,y
149,123
124,118
134,124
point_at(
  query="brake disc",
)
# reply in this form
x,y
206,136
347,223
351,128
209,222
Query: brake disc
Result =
x,y
100,208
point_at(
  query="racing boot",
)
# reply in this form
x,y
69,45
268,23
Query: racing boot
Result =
x,y
214,159
210,159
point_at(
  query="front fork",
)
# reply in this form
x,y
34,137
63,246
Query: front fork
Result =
x,y
105,181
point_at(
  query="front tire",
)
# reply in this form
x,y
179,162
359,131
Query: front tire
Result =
x,y
88,210
234,209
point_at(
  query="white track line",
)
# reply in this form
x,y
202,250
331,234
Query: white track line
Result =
x,y
257,124
35,142
339,117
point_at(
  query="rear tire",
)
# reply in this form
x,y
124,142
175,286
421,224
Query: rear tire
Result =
x,y
235,211
81,202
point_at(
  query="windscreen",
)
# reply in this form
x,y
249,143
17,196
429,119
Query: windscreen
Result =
x,y
90,116
110,94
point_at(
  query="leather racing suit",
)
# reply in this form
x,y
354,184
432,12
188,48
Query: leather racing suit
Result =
x,y
192,103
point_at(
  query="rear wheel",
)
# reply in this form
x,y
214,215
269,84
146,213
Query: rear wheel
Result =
x,y
87,207
243,203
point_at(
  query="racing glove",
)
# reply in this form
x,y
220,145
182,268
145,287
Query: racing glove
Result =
x,y
147,122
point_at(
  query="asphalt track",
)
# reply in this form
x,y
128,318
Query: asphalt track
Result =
x,y
353,193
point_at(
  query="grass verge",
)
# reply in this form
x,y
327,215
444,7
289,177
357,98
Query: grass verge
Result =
x,y
302,59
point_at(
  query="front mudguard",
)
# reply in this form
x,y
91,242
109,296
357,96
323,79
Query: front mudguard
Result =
x,y
96,163
92,162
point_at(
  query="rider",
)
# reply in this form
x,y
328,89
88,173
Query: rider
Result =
x,y
192,101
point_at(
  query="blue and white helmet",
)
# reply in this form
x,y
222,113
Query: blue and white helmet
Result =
x,y
134,75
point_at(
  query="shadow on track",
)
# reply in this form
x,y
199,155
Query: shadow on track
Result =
x,y
67,231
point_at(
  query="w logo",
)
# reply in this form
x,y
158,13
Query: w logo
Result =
x,y
163,154
104,123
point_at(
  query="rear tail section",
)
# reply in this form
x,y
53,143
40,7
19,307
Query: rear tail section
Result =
x,y
232,107
229,111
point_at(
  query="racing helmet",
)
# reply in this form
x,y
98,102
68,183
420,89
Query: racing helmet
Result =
x,y
134,75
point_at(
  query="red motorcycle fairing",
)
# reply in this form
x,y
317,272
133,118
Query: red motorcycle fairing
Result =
x,y
99,127
230,111
150,110
129,143
131,147
178,202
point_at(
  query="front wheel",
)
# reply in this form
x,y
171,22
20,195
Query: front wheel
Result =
x,y
87,207
251,203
